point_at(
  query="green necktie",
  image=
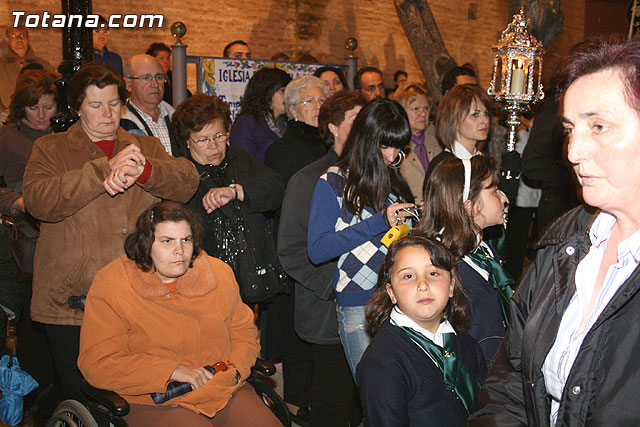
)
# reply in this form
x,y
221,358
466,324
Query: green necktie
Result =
x,y
455,375
498,278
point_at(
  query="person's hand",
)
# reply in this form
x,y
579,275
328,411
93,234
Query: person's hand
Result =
x,y
18,205
131,155
396,216
217,198
122,178
197,377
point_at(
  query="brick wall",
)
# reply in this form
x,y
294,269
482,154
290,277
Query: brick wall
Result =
x,y
318,27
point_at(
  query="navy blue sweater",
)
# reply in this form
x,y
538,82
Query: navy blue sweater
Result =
x,y
401,386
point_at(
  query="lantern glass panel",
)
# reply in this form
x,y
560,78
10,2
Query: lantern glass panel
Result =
x,y
536,74
500,76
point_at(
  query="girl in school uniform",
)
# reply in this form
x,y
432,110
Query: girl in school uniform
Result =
x,y
420,369
461,199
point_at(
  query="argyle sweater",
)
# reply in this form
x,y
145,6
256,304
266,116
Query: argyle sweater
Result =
x,y
354,240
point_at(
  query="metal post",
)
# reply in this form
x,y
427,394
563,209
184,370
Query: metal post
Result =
x,y
77,49
351,60
179,64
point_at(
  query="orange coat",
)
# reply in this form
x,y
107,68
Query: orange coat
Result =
x,y
134,334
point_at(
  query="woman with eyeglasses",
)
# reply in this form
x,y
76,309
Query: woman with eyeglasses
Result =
x,y
299,146
423,146
232,182
301,143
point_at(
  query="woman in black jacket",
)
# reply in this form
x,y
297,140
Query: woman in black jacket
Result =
x,y
235,190
301,143
570,357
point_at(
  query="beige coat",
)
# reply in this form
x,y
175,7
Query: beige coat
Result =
x,y
135,334
411,169
83,228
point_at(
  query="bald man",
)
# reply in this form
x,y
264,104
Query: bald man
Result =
x,y
146,113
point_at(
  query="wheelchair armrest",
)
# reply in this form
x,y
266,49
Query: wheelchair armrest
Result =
x,y
264,367
109,399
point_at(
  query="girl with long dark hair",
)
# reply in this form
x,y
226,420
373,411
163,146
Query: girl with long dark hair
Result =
x,y
354,204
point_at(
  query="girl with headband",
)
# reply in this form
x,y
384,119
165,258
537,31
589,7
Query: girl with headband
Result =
x,y
461,199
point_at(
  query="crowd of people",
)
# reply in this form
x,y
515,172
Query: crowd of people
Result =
x,y
202,242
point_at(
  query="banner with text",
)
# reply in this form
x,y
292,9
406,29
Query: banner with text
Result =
x,y
227,77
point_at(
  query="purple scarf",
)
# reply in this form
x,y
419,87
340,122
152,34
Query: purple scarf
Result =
x,y
420,150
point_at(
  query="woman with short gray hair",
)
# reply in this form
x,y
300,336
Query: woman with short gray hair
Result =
x,y
299,146
301,143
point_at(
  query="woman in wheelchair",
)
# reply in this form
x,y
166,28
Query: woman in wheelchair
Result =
x,y
160,314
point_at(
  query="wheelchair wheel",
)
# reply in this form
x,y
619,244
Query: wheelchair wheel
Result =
x,y
272,400
71,413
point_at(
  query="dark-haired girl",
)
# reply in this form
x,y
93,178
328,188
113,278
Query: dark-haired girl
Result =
x,y
354,204
420,368
461,199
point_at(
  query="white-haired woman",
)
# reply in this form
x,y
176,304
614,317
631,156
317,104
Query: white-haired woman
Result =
x,y
299,146
301,143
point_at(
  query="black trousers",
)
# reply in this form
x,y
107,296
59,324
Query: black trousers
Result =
x,y
64,341
334,397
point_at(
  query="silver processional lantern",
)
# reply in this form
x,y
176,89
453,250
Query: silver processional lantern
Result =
x,y
517,73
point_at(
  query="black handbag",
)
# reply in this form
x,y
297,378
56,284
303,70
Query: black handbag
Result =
x,y
258,272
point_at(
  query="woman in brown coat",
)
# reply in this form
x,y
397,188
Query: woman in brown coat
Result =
x,y
87,186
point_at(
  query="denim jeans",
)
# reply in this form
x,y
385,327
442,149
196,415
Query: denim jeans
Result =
x,y
353,334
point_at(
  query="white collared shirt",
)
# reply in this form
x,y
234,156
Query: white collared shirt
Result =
x,y
158,128
461,152
398,318
566,347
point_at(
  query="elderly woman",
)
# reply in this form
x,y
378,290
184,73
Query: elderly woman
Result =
x,y
163,312
232,183
463,124
571,355
315,319
261,121
301,144
87,186
334,78
423,147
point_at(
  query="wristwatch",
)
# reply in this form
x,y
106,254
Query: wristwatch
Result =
x,y
235,190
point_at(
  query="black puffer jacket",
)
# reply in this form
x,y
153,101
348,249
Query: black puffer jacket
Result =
x,y
602,387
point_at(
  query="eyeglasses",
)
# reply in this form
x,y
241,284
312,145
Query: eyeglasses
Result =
x,y
21,36
146,78
101,31
220,138
310,101
426,109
